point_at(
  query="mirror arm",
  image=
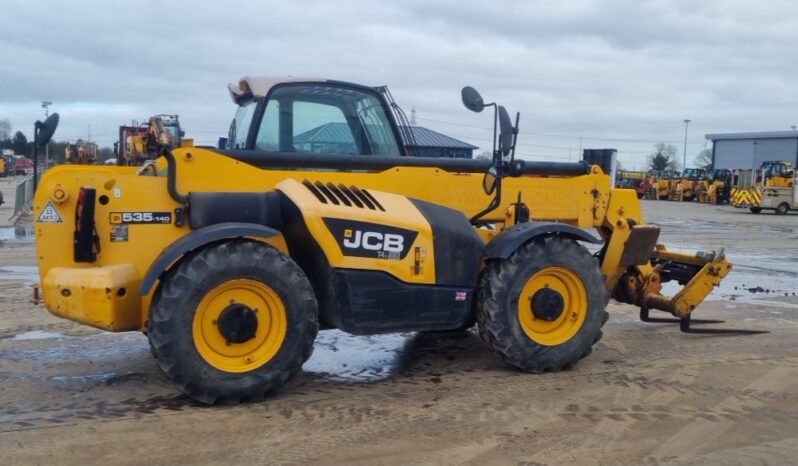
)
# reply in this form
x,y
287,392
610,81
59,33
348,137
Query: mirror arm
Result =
x,y
494,203
515,136
495,125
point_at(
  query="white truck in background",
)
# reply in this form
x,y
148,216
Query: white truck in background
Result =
x,y
781,199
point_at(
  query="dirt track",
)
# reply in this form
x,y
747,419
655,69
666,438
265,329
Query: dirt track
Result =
x,y
647,394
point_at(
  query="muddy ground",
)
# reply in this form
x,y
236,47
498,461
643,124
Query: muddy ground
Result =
x,y
647,394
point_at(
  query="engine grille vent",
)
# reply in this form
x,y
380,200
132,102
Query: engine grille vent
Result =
x,y
352,196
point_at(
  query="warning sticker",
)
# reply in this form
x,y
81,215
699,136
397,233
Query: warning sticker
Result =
x,y
119,233
49,215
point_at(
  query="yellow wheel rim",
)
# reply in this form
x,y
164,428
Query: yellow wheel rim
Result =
x,y
272,322
567,323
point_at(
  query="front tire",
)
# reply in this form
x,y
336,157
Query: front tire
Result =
x,y
542,308
233,322
783,209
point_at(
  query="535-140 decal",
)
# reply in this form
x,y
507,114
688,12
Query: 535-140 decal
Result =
x,y
141,218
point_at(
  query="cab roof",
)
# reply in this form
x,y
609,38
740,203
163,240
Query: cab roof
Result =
x,y
250,87
258,86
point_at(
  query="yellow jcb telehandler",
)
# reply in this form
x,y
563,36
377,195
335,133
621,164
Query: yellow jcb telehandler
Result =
x,y
231,260
716,188
685,189
662,182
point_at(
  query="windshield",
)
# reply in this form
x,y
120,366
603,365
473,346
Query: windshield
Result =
x,y
721,174
239,129
174,136
324,119
775,169
692,173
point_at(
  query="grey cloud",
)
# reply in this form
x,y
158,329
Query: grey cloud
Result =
x,y
619,69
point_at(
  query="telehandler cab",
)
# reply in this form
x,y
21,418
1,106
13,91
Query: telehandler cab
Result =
x,y
231,260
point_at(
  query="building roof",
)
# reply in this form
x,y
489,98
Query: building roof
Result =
x,y
754,135
427,138
332,133
338,133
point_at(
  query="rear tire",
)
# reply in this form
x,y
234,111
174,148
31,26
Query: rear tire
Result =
x,y
233,322
755,210
518,332
783,209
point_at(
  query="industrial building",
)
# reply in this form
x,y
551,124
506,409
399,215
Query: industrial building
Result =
x,y
749,150
337,138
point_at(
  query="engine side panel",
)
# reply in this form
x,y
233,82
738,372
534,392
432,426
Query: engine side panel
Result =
x,y
396,239
373,270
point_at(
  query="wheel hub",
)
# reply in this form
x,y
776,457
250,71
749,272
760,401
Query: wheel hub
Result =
x,y
238,323
547,304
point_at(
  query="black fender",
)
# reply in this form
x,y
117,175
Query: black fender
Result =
x,y
197,238
516,236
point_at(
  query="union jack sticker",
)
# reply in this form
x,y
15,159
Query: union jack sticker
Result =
x,y
460,295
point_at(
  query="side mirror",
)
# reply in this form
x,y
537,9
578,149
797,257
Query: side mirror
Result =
x,y
489,181
46,130
472,100
506,131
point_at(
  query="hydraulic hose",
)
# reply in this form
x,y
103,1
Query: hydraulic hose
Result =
x,y
171,177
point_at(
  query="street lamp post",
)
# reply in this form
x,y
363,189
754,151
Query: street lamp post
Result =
x,y
46,106
684,158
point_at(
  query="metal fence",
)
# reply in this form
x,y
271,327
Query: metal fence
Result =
x,y
24,196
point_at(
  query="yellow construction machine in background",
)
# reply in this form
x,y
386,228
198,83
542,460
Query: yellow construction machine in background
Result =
x,y
716,188
139,143
685,188
662,181
81,152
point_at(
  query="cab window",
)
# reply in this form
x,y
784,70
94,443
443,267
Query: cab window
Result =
x,y
322,118
239,129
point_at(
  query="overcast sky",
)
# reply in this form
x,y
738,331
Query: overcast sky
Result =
x,y
621,74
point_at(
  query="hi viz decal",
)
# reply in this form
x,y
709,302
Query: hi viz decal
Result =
x,y
363,239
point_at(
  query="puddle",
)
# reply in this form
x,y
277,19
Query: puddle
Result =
x,y
39,335
25,273
337,356
92,347
16,233
340,357
755,279
102,377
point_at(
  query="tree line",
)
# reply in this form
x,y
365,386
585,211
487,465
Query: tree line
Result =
x,y
666,157
18,142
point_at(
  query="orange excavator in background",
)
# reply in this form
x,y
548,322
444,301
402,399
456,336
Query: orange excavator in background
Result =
x,y
139,143
81,152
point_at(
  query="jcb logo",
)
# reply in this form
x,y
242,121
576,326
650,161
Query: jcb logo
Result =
x,y
374,241
365,239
